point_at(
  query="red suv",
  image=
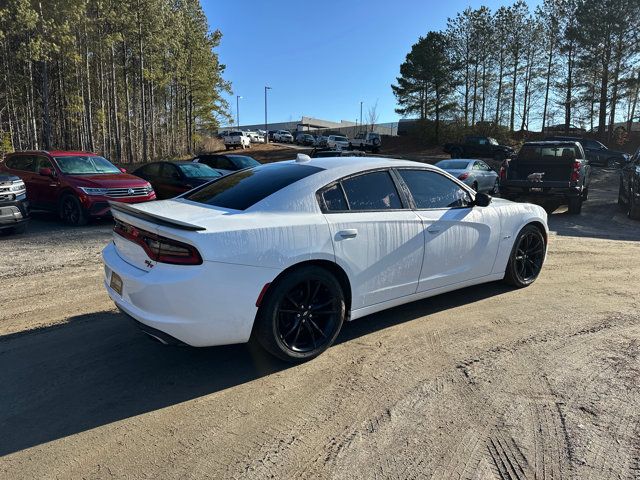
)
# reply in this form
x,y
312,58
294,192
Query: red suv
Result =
x,y
78,185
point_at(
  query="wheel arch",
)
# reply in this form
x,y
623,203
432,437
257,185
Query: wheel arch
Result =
x,y
328,265
540,226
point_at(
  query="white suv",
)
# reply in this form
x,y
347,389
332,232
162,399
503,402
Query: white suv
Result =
x,y
283,136
366,141
338,142
237,139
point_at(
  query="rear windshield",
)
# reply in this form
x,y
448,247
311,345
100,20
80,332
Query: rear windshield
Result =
x,y
549,153
244,162
240,190
198,170
453,164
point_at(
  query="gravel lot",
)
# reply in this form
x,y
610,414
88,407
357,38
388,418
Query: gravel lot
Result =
x,y
482,383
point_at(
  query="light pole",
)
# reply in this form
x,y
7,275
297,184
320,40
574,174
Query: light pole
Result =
x,y
360,114
238,97
266,131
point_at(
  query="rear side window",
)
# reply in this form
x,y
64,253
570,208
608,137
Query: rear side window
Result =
x,y
372,191
432,190
25,163
153,170
240,190
334,199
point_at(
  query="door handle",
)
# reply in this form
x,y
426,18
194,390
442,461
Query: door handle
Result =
x,y
349,233
433,230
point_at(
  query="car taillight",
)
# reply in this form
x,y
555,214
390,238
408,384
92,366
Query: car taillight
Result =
x,y
463,176
159,248
503,170
575,171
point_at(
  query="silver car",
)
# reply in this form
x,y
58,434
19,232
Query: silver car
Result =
x,y
475,173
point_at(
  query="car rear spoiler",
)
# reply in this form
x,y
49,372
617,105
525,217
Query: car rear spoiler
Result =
x,y
159,219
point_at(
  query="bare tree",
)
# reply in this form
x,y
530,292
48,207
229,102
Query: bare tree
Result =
x,y
372,116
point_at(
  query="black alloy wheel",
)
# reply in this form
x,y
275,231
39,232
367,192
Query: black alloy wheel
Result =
x,y
71,211
526,258
302,314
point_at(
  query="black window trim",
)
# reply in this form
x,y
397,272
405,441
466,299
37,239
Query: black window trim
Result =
x,y
402,194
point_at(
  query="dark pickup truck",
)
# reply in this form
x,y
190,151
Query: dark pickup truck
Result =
x,y
596,152
478,147
14,207
551,173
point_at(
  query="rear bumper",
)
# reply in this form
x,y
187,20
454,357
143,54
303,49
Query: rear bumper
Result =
x,y
204,305
529,192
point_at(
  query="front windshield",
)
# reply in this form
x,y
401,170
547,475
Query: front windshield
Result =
x,y
340,139
86,165
493,141
244,162
198,170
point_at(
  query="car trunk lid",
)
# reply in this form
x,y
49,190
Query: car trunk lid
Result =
x,y
177,220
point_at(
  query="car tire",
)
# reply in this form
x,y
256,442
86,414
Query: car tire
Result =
x,y
621,202
285,326
71,211
474,185
575,205
633,210
527,257
496,187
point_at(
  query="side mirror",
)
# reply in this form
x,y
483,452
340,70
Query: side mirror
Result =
x,y
46,172
123,170
482,200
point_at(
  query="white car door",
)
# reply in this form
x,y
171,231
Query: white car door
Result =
x,y
377,240
461,240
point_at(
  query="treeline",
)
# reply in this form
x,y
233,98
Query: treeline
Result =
x,y
132,79
567,62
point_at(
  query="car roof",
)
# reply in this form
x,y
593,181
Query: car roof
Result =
x,y
300,195
56,153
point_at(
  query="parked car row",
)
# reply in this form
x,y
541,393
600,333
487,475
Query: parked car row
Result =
x,y
552,172
79,185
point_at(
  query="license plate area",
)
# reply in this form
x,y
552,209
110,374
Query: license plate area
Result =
x,y
116,283
536,189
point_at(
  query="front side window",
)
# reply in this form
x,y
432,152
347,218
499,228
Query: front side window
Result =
x,y
86,165
372,191
432,190
241,190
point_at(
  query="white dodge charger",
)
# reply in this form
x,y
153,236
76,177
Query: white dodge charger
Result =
x,y
284,253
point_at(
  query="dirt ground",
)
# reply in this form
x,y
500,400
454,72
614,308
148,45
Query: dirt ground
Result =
x,y
483,383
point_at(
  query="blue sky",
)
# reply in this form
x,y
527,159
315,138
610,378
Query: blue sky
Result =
x,y
321,59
